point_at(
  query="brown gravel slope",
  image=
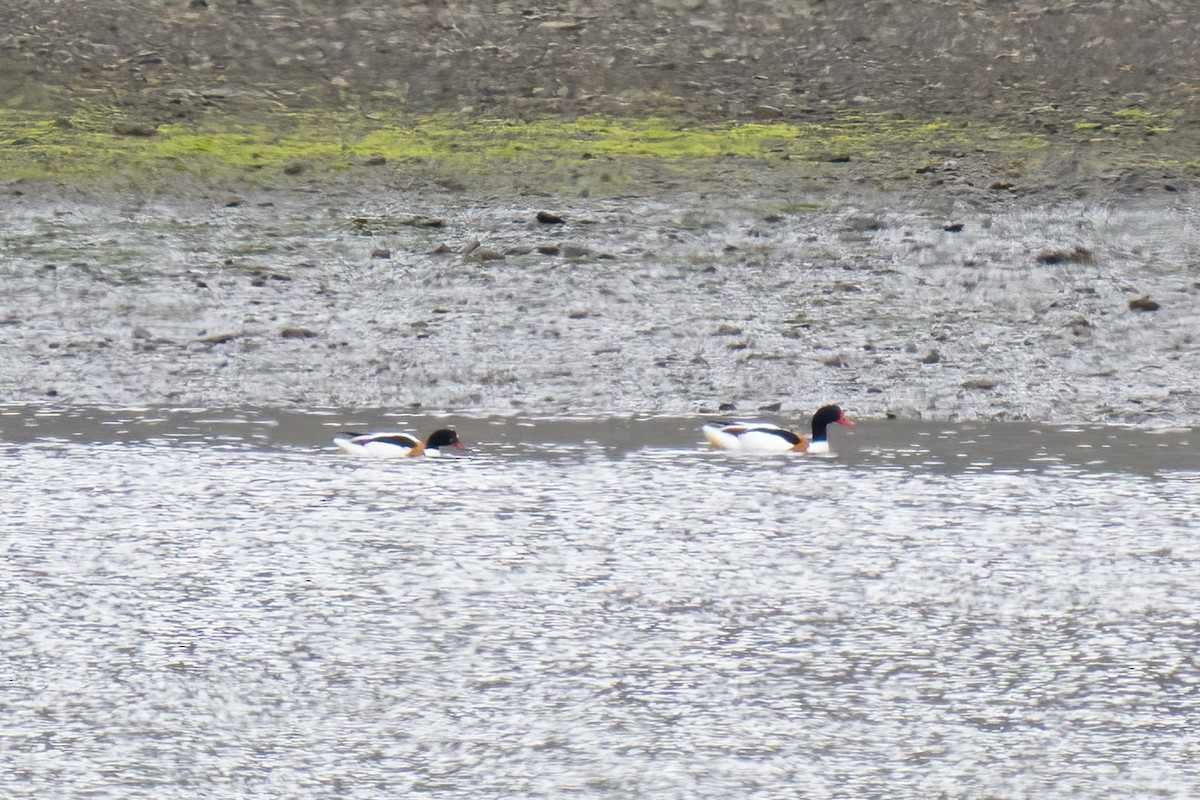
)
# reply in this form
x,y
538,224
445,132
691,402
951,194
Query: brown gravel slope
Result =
x,y
706,58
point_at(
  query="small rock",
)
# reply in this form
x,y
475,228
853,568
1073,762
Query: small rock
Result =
x,y
932,357
441,250
863,223
772,407
381,253
134,129
1143,303
575,251
953,227
1077,255
980,383
220,338
295,168
549,249
767,112
298,333
725,329
547,218
834,360
375,161
377,226
578,313
481,254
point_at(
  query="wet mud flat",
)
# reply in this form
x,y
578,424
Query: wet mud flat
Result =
x,y
750,297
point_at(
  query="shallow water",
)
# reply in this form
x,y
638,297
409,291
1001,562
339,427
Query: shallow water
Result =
x,y
216,603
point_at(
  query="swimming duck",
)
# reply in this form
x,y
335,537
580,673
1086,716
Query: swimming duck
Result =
x,y
763,437
398,445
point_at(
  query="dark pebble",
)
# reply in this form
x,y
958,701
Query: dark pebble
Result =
x,y
1077,255
546,218
298,333
220,338
134,129
1143,303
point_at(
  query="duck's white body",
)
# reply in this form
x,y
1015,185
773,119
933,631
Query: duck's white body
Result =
x,y
752,437
380,445
389,444
766,437
818,448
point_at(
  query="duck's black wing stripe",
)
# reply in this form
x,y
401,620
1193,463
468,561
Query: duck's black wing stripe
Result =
x,y
787,436
401,439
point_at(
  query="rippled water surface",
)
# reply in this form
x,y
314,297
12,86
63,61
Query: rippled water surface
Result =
x,y
203,603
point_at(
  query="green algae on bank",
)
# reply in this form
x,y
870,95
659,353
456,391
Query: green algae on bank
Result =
x,y
93,144
98,143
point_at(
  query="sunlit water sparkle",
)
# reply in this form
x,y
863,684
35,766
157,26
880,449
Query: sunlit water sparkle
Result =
x,y
202,604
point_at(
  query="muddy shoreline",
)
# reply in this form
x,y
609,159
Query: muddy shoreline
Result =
x,y
989,217
760,297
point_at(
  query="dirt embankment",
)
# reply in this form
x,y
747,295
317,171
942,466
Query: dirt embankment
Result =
x,y
1041,63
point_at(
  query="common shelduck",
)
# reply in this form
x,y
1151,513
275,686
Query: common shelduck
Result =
x,y
398,445
763,437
